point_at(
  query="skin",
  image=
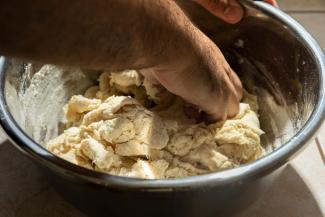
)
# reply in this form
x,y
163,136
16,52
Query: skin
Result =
x,y
227,10
155,36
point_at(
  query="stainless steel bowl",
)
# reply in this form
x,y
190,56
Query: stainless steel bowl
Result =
x,y
275,56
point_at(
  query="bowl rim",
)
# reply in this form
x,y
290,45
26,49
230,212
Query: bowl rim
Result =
x,y
267,163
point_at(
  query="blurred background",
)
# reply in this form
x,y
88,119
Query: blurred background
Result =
x,y
300,190
310,13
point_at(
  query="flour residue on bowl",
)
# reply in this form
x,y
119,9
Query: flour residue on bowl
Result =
x,y
40,97
276,120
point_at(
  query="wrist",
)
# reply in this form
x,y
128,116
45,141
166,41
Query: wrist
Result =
x,y
169,35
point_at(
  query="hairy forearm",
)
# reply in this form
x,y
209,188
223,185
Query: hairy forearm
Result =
x,y
97,34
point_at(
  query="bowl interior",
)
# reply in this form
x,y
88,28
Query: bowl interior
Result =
x,y
272,61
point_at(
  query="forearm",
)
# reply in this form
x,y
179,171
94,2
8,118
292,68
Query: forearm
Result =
x,y
111,34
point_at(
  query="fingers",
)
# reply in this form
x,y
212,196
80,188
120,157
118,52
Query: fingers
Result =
x,y
236,83
202,77
229,96
228,10
272,2
211,86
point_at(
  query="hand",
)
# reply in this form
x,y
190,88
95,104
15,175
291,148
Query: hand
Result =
x,y
156,35
228,10
201,75
205,79
272,2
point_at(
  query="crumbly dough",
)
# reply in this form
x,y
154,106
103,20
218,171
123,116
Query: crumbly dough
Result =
x,y
129,127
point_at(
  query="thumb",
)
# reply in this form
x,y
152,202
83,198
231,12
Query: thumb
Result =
x,y
272,2
228,10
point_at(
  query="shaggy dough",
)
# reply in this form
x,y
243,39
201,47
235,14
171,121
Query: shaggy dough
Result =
x,y
127,126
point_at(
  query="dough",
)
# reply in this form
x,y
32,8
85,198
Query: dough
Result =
x,y
130,127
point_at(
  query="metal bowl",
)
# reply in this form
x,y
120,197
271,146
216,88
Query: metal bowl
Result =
x,y
277,59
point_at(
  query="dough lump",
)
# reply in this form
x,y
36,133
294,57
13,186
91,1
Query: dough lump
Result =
x,y
127,126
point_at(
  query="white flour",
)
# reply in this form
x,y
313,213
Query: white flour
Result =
x,y
39,106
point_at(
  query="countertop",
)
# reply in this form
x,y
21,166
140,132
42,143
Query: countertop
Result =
x,y
299,191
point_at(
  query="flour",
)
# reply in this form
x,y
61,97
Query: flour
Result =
x,y
276,120
117,130
36,98
41,99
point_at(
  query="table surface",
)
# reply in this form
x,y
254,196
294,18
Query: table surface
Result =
x,y
299,191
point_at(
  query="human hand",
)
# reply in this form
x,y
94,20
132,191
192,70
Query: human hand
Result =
x,y
228,10
207,80
201,76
